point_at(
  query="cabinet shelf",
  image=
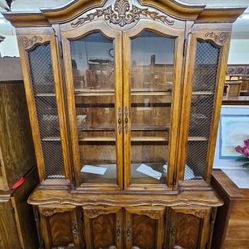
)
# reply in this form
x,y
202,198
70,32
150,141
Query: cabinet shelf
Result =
x,y
198,93
193,139
133,139
143,91
134,128
51,139
91,92
45,95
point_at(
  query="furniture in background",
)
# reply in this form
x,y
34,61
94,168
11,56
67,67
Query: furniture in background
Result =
x,y
237,81
17,163
124,160
232,222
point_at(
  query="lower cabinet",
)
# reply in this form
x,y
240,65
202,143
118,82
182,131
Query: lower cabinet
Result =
x,y
109,228
144,227
102,227
189,228
60,227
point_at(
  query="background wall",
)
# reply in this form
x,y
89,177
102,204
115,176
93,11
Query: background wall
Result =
x,y
239,51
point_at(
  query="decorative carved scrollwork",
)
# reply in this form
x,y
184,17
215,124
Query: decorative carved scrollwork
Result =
x,y
123,14
153,214
219,38
200,213
29,42
93,213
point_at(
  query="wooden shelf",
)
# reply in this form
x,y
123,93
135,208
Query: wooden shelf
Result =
x,y
45,95
90,92
151,92
51,139
149,139
134,128
193,139
197,93
133,139
97,139
150,128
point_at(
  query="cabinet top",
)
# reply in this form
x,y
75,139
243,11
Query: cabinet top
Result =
x,y
75,8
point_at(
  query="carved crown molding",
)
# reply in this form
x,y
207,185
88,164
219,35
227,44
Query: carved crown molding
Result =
x,y
123,14
218,38
30,42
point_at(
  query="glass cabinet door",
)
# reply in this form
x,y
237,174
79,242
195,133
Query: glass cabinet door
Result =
x,y
97,109
149,85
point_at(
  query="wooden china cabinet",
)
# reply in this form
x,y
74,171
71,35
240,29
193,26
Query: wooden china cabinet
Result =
x,y
124,99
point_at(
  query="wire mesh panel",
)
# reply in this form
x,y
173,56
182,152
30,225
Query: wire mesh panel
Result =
x,y
203,94
47,114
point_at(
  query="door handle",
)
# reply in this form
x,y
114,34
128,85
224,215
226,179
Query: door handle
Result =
x,y
119,120
126,119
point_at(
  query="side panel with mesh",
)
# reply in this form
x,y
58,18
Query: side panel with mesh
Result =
x,y
47,114
203,96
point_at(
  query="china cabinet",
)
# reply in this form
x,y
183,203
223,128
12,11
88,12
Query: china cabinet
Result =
x,y
124,99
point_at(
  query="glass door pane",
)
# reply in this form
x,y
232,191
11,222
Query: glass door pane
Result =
x,y
152,69
94,89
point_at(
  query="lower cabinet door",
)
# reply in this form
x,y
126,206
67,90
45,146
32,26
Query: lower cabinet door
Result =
x,y
144,228
189,228
60,228
103,227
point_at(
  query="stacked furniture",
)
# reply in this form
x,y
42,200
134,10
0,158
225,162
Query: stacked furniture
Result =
x,y
18,173
124,99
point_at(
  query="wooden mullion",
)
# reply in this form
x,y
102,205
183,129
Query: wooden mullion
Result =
x,y
186,105
127,104
71,108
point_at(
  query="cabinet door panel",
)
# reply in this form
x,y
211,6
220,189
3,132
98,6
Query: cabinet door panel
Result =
x,y
44,95
144,228
94,86
60,228
103,227
189,228
151,89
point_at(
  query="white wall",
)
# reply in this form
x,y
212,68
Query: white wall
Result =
x,y
9,46
239,51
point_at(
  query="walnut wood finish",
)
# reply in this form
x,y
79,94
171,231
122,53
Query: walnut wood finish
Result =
x,y
122,213
144,227
59,227
232,223
103,227
189,227
16,147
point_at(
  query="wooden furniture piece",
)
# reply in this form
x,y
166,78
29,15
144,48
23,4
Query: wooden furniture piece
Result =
x,y
232,223
233,88
16,146
124,99
17,161
17,224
